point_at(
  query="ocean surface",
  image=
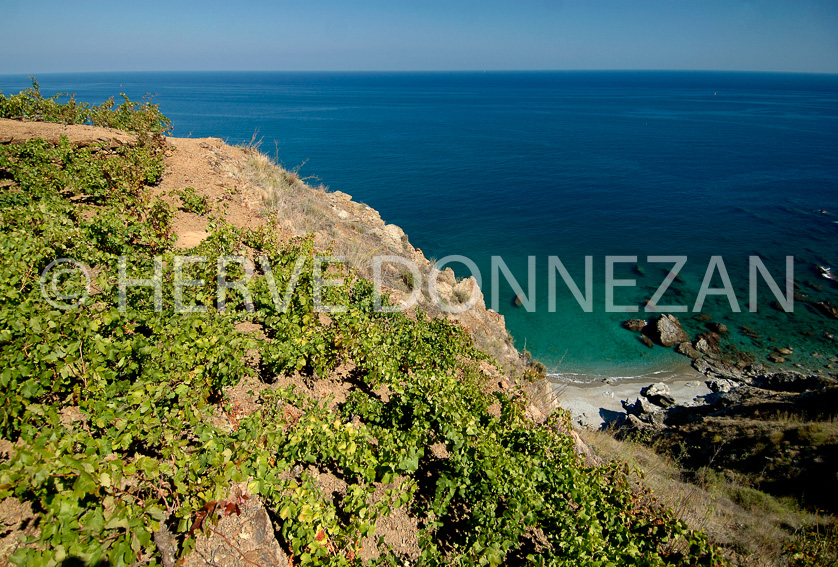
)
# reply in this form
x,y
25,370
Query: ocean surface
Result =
x,y
561,164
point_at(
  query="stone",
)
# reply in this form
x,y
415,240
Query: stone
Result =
x,y
720,385
827,309
786,382
655,390
640,407
703,317
718,328
634,324
647,341
659,395
776,357
243,537
751,333
687,349
707,343
785,351
669,331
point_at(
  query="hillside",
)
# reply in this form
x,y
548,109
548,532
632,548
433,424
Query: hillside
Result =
x,y
141,427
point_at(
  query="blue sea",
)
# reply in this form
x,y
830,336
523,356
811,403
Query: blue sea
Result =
x,y
561,164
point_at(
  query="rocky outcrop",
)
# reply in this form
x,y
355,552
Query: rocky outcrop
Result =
x,y
668,331
659,395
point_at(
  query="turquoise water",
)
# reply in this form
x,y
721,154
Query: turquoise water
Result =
x,y
559,164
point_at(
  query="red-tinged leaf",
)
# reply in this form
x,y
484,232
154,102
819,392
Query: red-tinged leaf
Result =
x,y
202,514
232,508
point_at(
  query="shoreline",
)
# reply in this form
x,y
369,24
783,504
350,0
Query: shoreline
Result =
x,y
595,404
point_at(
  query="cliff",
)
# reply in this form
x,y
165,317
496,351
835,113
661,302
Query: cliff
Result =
x,y
139,426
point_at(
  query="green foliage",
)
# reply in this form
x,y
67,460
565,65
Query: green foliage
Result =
x,y
191,201
121,421
144,119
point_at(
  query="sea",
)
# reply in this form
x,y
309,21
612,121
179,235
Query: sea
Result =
x,y
519,175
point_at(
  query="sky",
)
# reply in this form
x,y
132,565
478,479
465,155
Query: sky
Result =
x,y
396,35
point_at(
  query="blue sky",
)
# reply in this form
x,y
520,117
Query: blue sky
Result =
x,y
770,35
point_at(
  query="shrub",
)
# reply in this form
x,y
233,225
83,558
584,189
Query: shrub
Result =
x,y
191,201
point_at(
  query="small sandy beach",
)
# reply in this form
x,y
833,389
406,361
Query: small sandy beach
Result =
x,y
598,402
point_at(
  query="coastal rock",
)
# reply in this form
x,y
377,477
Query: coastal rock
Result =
x,y
785,351
634,324
703,317
787,382
669,331
659,395
719,328
750,333
707,343
686,348
776,357
647,341
641,407
827,309
720,385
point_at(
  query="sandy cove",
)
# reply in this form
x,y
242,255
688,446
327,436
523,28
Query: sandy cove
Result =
x,y
595,404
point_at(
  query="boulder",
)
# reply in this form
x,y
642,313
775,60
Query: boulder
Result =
x,y
659,395
669,331
707,343
655,390
641,407
718,328
720,385
776,357
687,349
634,324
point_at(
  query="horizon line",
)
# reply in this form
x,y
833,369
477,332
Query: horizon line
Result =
x,y
418,71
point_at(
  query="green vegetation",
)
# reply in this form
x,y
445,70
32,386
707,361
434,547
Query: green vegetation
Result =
x,y
143,119
121,421
191,202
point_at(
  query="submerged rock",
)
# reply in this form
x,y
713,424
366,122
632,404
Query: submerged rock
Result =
x,y
827,309
719,328
776,357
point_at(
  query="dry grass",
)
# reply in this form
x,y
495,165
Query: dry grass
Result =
x,y
752,526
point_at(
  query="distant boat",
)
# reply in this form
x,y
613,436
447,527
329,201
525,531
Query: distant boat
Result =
x,y
827,273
